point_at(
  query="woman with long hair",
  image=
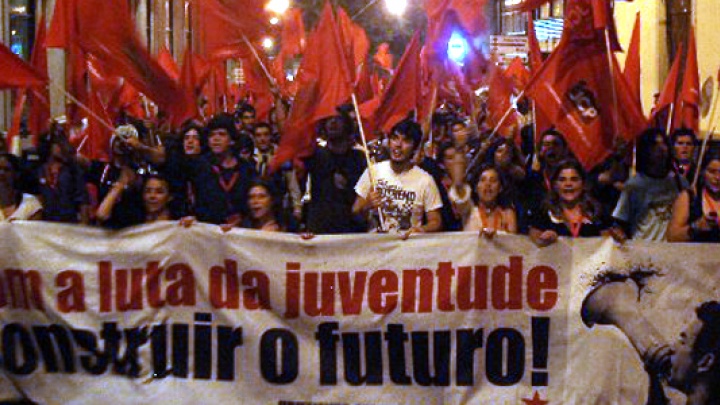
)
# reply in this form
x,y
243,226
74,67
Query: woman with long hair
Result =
x,y
569,209
265,208
695,215
485,208
14,204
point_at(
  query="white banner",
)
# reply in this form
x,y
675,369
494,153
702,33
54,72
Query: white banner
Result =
x,y
164,314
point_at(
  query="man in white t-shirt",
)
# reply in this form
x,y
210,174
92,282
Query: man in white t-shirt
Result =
x,y
406,195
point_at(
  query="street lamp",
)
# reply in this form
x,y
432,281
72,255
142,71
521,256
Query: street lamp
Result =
x,y
278,6
268,43
396,7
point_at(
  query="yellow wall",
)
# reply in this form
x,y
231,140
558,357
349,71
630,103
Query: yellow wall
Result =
x,y
653,46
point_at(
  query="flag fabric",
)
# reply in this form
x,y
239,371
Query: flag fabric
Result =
x,y
323,84
518,73
293,34
401,96
534,52
632,61
226,24
364,89
470,12
258,85
500,95
63,25
16,73
355,41
666,101
383,58
688,108
108,33
168,63
573,93
97,142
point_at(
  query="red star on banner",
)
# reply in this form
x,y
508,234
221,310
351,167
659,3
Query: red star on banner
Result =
x,y
535,400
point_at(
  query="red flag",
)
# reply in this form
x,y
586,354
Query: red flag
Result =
x,y
39,98
578,101
500,94
383,57
293,34
401,96
688,107
534,52
258,84
364,89
666,100
323,84
168,63
97,142
632,61
354,40
62,27
469,12
16,73
108,33
225,24
194,73
518,73
130,101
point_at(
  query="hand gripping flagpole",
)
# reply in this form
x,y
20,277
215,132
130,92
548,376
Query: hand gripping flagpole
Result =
x,y
367,156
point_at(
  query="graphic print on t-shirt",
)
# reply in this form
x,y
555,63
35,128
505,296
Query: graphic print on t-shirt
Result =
x,y
398,206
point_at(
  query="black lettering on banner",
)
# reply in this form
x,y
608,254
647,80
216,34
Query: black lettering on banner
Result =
x,y
203,346
289,356
53,342
327,342
468,341
396,338
500,369
373,358
228,340
94,361
15,335
441,358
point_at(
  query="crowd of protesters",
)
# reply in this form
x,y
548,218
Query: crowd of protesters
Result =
x,y
451,176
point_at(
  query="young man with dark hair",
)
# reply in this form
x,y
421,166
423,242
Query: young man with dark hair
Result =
x,y
220,179
684,141
406,195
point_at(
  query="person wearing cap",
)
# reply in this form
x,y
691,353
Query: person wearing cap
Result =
x,y
406,195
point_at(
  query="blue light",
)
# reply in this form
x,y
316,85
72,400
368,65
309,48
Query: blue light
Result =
x,y
457,48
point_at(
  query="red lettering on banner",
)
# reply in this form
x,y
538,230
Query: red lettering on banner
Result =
x,y
21,289
131,290
507,285
417,296
542,285
258,296
225,282
382,296
466,282
72,297
352,297
467,288
292,290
